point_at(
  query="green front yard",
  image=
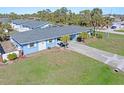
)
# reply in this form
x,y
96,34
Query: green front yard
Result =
x,y
59,66
114,44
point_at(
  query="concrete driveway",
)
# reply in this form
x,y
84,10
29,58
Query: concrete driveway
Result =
x,y
111,59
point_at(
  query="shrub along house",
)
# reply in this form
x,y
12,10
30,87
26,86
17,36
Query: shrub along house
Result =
x,y
26,25
39,39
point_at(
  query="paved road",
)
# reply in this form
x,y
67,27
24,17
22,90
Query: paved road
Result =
x,y
111,31
111,59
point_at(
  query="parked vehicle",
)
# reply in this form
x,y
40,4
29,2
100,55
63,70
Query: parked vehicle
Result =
x,y
113,27
62,44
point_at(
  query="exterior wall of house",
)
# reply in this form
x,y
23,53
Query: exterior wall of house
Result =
x,y
73,37
17,45
13,26
51,43
16,27
28,50
38,46
42,45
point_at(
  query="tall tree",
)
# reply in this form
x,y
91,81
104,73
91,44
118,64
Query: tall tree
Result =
x,y
65,38
86,17
13,15
2,33
84,36
60,15
44,14
7,27
96,17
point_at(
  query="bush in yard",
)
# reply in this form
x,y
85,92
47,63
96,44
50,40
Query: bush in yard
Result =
x,y
79,39
4,61
12,56
84,35
99,36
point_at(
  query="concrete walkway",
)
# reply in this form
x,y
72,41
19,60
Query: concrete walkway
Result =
x,y
111,59
111,31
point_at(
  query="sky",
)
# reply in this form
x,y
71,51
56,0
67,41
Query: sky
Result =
x,y
24,10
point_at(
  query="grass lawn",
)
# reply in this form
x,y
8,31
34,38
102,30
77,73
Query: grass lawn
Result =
x,y
56,66
114,44
120,30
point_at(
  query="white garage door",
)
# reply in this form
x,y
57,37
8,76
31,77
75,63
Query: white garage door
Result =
x,y
42,45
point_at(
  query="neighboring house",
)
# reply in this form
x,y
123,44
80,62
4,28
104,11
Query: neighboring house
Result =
x,y
117,25
4,20
17,25
32,24
25,25
40,39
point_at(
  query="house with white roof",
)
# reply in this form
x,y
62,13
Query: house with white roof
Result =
x,y
22,25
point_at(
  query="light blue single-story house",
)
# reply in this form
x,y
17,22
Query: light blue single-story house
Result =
x,y
39,39
22,25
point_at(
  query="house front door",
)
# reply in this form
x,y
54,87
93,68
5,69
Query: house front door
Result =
x,y
42,45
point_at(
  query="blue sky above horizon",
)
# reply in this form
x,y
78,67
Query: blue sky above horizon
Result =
x,y
24,10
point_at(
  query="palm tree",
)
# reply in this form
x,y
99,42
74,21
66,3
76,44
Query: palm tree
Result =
x,y
2,34
13,15
84,36
7,27
96,17
60,15
86,17
3,27
65,38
